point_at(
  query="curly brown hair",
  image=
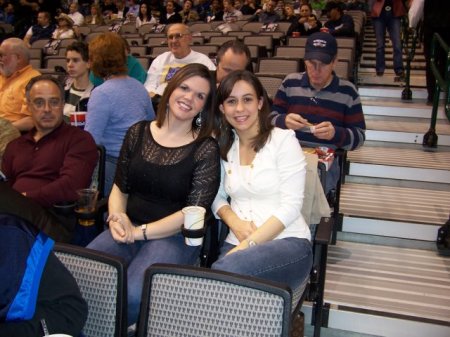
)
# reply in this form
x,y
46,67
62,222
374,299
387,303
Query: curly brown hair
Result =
x,y
107,54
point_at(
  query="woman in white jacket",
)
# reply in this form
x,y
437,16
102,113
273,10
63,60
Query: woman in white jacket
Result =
x,y
263,176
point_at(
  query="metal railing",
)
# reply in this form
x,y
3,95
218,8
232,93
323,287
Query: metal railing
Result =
x,y
442,84
409,44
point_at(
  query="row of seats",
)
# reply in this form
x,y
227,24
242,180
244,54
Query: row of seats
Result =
x,y
103,282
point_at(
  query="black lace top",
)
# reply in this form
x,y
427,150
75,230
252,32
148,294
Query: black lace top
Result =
x,y
160,180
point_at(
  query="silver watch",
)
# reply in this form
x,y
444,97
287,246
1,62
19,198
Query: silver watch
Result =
x,y
251,243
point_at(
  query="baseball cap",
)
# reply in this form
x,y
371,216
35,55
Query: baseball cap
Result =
x,y
322,47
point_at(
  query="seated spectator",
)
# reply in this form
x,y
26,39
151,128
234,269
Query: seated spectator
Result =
x,y
339,24
96,17
116,104
144,17
75,15
121,10
202,9
268,15
64,29
307,23
319,98
42,30
78,88
37,289
230,14
164,165
15,73
7,133
170,16
289,15
8,14
250,7
167,64
133,10
157,8
108,8
63,156
232,55
215,12
279,9
262,188
188,14
319,6
135,69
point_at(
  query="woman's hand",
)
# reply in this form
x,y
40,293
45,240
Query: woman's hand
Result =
x,y
243,229
122,230
241,246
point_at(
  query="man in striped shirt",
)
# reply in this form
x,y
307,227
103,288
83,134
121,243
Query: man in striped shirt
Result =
x,y
323,109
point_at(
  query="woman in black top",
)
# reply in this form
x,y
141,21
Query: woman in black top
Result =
x,y
164,165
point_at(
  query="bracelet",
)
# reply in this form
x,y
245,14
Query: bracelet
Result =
x,y
144,231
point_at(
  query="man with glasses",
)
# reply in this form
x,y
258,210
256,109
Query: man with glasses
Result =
x,y
52,161
167,64
15,73
323,109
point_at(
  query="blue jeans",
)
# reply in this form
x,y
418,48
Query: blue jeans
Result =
x,y
388,21
287,261
141,255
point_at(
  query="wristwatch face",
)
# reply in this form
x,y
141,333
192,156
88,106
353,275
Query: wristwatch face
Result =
x,y
252,243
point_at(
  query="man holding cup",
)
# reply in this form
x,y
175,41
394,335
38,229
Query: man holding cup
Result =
x,y
53,160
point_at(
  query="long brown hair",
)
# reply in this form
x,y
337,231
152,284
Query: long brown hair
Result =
x,y
207,114
224,133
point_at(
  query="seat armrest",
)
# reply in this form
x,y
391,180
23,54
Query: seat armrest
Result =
x,y
324,231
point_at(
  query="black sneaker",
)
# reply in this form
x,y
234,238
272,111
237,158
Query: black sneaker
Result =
x,y
380,73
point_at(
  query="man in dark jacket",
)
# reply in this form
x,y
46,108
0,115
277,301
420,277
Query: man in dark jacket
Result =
x,y
39,295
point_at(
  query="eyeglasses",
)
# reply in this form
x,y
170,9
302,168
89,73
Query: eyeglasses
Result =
x,y
176,36
40,103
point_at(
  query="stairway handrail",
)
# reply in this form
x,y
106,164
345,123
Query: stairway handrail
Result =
x,y
442,83
410,53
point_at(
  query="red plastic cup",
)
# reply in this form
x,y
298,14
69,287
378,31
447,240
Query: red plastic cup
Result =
x,y
295,34
78,119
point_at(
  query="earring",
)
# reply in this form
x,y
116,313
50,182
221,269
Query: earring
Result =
x,y
198,120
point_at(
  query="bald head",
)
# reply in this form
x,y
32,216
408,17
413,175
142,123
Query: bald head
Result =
x,y
15,56
179,39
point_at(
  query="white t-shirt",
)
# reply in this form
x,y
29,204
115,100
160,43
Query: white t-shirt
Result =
x,y
78,18
166,65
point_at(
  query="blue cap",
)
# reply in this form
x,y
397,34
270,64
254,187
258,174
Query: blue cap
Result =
x,y
322,47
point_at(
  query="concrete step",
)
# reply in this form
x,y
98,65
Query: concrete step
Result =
x,y
400,212
364,63
395,107
386,291
368,56
405,130
368,77
381,94
400,163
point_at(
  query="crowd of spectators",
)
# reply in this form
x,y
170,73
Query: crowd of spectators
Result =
x,y
210,118
23,15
